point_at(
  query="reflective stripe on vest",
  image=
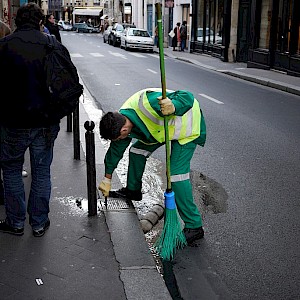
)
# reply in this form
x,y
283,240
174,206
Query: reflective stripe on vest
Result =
x,y
184,128
180,177
140,151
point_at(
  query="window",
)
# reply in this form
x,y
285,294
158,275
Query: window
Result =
x,y
210,12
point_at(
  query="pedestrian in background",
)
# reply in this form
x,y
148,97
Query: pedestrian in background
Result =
x,y
44,28
183,35
4,31
176,37
52,27
22,55
142,117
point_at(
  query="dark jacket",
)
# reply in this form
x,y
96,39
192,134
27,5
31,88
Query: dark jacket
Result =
x,y
174,39
53,28
183,32
24,93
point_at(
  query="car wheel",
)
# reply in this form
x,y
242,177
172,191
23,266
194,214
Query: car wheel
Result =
x,y
90,31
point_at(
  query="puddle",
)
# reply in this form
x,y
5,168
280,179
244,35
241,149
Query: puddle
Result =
x,y
209,195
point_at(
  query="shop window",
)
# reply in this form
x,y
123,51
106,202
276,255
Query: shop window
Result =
x,y
283,26
210,12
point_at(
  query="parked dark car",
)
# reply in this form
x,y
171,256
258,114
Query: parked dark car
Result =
x,y
83,27
114,37
106,34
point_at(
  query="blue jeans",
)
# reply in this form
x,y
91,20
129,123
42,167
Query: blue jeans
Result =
x,y
14,143
183,45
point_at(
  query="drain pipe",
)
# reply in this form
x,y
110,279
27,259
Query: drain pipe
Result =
x,y
150,219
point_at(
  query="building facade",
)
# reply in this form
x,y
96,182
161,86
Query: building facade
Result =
x,y
262,33
274,35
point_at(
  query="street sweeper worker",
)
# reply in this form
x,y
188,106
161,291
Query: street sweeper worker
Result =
x,y
142,117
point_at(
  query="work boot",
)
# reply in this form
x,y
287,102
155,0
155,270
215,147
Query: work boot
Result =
x,y
127,194
193,234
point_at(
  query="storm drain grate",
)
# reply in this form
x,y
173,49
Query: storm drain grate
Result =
x,y
115,204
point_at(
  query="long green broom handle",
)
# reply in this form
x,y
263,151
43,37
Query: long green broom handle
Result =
x,y
164,93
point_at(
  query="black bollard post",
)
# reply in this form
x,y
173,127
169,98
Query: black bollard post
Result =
x,y
69,123
76,134
91,167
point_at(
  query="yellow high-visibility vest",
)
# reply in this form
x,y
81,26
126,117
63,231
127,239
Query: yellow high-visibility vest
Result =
x,y
184,128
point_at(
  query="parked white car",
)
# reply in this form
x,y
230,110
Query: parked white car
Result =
x,y
210,34
137,38
64,25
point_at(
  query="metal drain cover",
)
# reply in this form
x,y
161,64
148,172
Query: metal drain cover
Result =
x,y
116,204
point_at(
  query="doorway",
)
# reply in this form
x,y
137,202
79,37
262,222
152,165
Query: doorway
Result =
x,y
243,31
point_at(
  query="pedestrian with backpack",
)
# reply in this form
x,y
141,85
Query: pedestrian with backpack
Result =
x,y
27,122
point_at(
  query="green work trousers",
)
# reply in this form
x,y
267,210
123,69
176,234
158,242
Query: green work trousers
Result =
x,y
181,156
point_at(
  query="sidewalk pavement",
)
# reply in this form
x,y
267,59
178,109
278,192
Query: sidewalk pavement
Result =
x,y
106,256
271,78
79,257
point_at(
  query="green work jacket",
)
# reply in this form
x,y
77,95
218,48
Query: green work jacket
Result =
x,y
143,110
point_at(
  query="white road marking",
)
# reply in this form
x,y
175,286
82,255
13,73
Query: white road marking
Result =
x,y
97,54
117,54
155,55
75,55
211,98
154,72
136,54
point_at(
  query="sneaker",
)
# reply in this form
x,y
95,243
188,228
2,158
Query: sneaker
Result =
x,y
4,227
193,234
40,232
126,194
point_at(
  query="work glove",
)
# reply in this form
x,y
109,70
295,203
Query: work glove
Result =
x,y
105,186
166,106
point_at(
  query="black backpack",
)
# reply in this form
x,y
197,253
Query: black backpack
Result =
x,y
62,80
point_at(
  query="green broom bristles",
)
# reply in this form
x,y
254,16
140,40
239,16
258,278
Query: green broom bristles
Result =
x,y
172,236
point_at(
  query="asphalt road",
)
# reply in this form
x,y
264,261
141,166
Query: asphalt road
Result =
x,y
252,152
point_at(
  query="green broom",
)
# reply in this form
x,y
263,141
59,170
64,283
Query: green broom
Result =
x,y
171,236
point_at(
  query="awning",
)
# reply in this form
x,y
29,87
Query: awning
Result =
x,y
87,11
103,17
